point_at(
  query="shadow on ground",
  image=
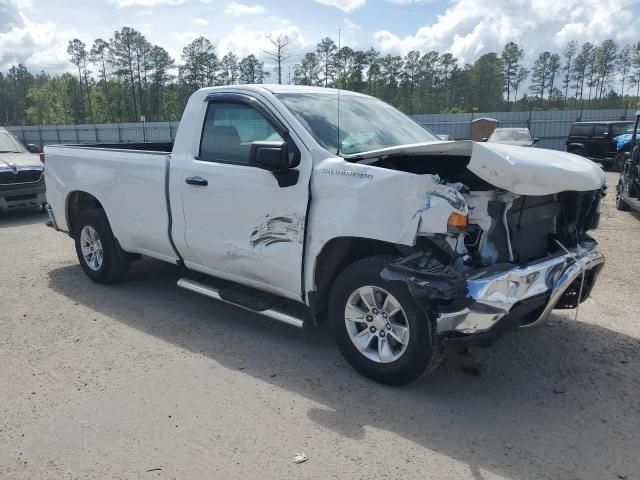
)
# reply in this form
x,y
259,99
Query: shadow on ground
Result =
x,y
20,218
555,402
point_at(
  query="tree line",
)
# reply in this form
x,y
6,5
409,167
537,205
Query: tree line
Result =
x,y
127,77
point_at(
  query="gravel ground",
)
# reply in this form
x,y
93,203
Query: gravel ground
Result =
x,y
142,380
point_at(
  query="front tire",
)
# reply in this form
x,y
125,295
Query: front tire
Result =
x,y
378,326
98,251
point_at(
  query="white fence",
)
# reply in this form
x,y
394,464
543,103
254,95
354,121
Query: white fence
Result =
x,y
552,127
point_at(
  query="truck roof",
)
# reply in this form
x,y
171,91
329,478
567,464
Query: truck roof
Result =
x,y
275,89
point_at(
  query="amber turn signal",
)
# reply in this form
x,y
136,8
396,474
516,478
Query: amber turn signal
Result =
x,y
457,221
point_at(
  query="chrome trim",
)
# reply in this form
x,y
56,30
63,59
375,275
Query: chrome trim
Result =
x,y
22,169
213,292
495,295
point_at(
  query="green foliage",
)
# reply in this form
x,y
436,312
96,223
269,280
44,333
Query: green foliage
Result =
x,y
125,77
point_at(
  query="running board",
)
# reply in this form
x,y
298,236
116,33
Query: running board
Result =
x,y
212,292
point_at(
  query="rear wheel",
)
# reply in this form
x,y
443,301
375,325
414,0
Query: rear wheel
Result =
x,y
98,251
620,203
378,326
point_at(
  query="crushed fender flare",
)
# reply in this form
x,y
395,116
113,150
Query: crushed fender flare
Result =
x,y
431,282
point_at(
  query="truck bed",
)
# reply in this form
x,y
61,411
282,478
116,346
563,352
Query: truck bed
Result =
x,y
129,180
163,147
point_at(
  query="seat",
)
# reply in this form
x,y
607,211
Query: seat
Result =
x,y
222,143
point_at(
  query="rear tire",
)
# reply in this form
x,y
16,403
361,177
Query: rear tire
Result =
x,y
620,203
98,251
382,356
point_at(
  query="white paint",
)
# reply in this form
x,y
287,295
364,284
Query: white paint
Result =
x,y
213,225
534,171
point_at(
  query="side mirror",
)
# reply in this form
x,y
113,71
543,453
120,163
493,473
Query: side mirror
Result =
x,y
484,139
536,139
274,156
34,148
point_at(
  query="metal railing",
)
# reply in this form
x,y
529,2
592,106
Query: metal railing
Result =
x,y
552,127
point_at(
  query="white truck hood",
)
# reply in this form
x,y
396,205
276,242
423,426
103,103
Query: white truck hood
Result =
x,y
519,170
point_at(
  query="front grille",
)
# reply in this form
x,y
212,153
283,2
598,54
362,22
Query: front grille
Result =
x,y
8,177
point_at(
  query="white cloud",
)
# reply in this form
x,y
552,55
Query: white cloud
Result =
x,y
344,5
145,3
470,28
243,41
410,2
36,45
351,26
201,21
236,9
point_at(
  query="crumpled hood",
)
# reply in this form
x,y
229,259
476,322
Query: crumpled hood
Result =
x,y
534,171
20,160
523,171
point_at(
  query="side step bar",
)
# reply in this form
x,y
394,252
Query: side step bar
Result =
x,y
214,293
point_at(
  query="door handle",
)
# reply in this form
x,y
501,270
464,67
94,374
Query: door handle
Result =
x,y
198,181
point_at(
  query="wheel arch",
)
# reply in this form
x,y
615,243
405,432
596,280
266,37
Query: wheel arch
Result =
x,y
336,255
79,201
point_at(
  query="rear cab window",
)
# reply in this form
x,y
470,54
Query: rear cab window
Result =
x,y
581,131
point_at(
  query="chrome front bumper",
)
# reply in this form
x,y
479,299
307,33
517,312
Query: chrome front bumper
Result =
x,y
495,295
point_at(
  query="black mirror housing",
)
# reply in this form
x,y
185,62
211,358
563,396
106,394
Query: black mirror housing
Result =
x,y
274,156
536,139
34,148
484,139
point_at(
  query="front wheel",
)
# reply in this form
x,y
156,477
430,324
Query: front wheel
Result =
x,y
98,251
378,326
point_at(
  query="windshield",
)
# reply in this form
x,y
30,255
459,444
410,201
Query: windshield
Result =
x,y
8,144
365,123
510,136
621,128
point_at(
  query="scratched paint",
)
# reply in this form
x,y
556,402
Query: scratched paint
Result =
x,y
279,229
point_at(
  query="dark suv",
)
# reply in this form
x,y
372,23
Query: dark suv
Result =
x,y
595,140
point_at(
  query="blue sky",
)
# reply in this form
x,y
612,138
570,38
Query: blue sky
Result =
x,y
36,32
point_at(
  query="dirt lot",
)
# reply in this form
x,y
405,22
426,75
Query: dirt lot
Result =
x,y
142,380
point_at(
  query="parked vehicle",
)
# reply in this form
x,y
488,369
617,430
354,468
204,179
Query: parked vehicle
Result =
x,y
597,140
520,137
628,188
403,242
21,181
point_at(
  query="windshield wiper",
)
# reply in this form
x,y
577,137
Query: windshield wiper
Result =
x,y
9,151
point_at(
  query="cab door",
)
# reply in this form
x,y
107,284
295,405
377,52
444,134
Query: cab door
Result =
x,y
239,223
601,142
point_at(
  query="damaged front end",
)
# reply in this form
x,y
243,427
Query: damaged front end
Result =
x,y
523,250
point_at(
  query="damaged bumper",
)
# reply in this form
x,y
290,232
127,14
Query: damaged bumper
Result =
x,y
487,303
524,295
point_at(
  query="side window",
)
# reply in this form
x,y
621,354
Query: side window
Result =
x,y
581,130
229,129
600,130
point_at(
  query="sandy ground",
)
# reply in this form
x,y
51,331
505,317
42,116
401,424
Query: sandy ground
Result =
x,y
142,380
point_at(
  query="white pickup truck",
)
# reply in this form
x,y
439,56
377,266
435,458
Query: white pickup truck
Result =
x,y
309,204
